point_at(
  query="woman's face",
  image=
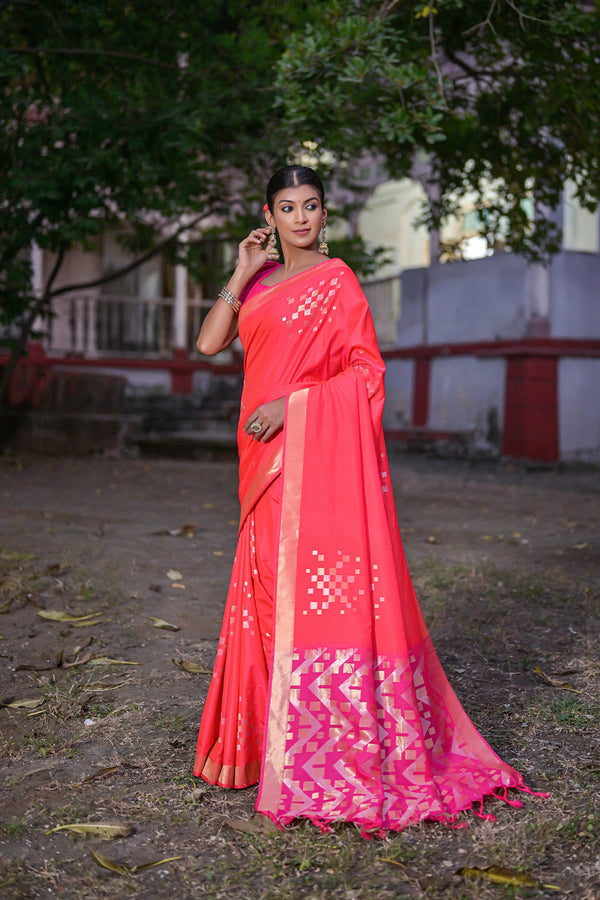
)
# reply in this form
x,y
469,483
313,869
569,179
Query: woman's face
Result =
x,y
298,216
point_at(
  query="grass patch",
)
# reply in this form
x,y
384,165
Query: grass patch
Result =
x,y
571,712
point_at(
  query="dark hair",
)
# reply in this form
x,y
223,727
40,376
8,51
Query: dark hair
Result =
x,y
293,176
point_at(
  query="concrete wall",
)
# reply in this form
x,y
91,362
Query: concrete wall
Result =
x,y
384,300
579,409
412,319
399,385
480,300
575,296
466,394
500,297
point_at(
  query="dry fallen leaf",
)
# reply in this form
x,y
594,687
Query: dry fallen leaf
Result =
x,y
77,650
187,665
102,830
79,661
96,686
186,530
107,661
60,615
160,623
505,876
106,771
12,587
174,575
32,667
553,682
258,825
158,862
56,569
26,703
107,863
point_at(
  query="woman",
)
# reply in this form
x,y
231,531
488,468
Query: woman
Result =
x,y
326,688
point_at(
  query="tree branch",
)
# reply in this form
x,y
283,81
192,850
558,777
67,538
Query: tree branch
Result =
x,y
48,294
112,276
434,58
487,21
521,14
476,74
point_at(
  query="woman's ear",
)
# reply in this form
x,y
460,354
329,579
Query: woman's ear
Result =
x,y
268,216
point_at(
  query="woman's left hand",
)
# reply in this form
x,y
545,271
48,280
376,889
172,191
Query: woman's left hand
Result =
x,y
270,416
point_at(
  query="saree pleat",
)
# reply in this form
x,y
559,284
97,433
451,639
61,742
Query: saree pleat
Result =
x,y
349,715
230,741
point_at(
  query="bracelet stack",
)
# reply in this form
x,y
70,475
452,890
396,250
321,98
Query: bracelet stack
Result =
x,y
226,295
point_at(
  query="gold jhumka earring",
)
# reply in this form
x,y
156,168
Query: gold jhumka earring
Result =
x,y
323,247
272,251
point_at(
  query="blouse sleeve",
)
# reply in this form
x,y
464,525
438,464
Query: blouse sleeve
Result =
x,y
256,279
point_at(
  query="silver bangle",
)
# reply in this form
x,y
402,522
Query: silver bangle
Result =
x,y
226,295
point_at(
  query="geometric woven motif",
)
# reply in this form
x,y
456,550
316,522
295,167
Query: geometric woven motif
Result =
x,y
369,741
312,307
331,583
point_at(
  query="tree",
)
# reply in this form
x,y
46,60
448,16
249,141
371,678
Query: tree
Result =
x,y
498,98
136,114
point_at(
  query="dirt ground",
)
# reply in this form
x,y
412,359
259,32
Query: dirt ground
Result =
x,y
506,561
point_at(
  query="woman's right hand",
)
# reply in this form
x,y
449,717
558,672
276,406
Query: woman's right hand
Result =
x,y
251,252
220,326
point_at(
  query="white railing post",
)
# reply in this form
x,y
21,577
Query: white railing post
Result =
x,y
37,279
91,343
180,308
79,312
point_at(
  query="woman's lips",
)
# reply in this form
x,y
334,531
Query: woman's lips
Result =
x,y
302,231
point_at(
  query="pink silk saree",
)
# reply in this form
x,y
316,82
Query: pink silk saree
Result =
x,y
327,688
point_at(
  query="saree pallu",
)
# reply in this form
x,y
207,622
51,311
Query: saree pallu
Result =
x,y
333,693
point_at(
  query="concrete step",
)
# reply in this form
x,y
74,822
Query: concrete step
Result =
x,y
215,442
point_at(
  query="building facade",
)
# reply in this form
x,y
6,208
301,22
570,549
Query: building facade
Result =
x,y
490,353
